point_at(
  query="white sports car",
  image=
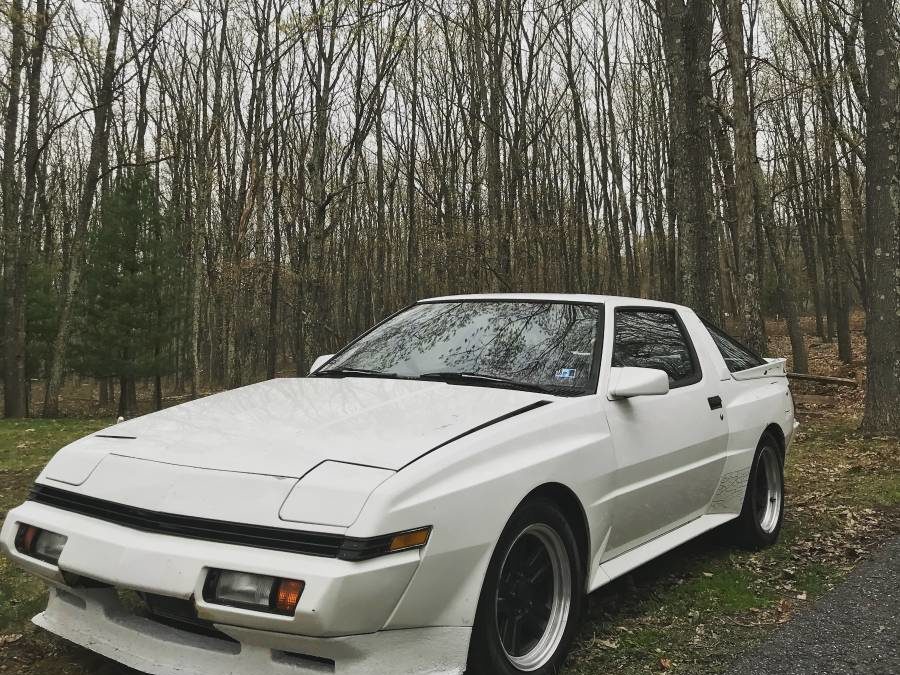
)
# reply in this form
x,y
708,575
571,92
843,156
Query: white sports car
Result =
x,y
438,497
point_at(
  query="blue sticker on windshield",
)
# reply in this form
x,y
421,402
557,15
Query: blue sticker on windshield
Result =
x,y
565,374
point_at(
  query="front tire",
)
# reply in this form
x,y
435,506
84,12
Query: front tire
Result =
x,y
762,514
532,598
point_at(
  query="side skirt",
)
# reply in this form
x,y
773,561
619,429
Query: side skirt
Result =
x,y
626,562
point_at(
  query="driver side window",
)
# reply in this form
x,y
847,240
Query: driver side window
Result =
x,y
655,339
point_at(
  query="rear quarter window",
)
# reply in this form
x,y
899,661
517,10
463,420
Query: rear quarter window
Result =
x,y
737,356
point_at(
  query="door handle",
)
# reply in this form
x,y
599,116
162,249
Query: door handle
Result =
x,y
715,402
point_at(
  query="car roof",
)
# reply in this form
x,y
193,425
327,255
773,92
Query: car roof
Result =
x,y
613,300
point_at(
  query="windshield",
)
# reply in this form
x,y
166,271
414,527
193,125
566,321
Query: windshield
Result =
x,y
544,345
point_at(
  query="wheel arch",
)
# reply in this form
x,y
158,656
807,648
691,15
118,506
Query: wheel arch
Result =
x,y
572,508
776,432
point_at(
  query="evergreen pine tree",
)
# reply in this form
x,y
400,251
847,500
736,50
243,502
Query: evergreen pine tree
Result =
x,y
128,311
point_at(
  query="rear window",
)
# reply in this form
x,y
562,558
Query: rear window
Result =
x,y
737,356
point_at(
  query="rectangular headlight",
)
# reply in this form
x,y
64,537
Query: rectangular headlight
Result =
x,y
41,544
256,592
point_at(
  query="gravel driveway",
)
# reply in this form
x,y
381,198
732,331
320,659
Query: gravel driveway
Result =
x,y
853,629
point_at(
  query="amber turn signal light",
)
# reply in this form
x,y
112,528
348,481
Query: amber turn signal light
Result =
x,y
288,595
257,592
357,549
413,539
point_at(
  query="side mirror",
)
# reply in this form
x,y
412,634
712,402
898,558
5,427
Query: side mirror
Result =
x,y
627,382
319,362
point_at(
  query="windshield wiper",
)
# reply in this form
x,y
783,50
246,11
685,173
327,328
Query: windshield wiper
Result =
x,y
481,378
353,372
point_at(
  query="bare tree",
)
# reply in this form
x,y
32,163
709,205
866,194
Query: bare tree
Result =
x,y
882,413
687,31
753,326
98,150
14,402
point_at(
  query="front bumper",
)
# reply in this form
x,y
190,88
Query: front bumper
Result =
x,y
96,620
341,615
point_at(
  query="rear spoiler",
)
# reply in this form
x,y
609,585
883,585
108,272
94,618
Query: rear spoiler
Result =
x,y
771,368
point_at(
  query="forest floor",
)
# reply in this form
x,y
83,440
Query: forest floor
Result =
x,y
694,610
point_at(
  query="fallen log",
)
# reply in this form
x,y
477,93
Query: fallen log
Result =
x,y
824,379
802,400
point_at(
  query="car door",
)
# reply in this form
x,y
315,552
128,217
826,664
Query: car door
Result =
x,y
670,449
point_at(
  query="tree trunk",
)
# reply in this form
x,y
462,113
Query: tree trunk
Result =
x,y
580,207
493,102
838,243
753,327
412,242
687,34
14,397
105,392
882,413
29,229
275,287
71,274
785,283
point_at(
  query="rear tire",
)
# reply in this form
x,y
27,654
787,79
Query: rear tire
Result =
x,y
762,513
533,596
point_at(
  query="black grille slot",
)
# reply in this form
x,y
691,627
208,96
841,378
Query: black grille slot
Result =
x,y
180,614
313,663
257,536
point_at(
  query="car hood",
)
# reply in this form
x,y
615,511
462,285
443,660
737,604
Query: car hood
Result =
x,y
287,427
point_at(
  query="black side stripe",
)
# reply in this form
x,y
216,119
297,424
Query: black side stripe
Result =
x,y
514,413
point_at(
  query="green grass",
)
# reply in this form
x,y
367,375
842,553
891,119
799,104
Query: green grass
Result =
x,y
691,611
21,597
25,446
726,589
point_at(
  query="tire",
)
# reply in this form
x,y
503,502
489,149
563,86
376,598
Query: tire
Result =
x,y
762,513
532,598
